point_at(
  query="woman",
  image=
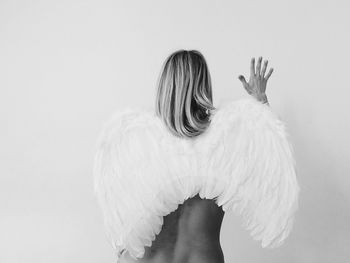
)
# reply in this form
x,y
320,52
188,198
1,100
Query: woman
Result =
x,y
165,179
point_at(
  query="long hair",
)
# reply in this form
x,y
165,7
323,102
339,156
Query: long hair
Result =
x,y
184,96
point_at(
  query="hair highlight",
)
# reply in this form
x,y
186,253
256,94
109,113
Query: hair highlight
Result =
x,y
184,96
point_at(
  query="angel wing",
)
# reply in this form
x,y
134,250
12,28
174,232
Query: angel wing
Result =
x,y
244,161
248,150
138,177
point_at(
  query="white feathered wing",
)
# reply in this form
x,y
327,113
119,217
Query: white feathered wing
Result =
x,y
244,161
248,149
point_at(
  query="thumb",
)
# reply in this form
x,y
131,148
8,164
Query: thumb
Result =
x,y
242,79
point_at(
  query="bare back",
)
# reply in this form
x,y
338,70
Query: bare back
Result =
x,y
190,234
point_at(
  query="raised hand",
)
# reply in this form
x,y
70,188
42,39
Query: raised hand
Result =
x,y
257,81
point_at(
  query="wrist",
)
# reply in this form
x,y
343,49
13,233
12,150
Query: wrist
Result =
x,y
262,98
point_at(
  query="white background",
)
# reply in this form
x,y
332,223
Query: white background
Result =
x,y
65,66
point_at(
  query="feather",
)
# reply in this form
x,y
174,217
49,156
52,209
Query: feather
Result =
x,y
244,160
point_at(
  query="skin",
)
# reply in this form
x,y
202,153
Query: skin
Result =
x,y
256,86
191,234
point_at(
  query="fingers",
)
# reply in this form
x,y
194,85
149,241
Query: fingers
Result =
x,y
252,67
269,74
258,72
258,66
242,79
264,68
245,84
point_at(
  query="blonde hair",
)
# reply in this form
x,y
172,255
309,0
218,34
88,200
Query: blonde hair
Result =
x,y
184,97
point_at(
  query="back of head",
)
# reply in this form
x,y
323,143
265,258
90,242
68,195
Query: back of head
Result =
x,y
184,97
